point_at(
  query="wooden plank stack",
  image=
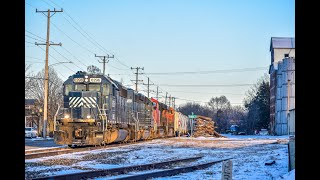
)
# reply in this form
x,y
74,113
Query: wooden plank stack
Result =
x,y
204,126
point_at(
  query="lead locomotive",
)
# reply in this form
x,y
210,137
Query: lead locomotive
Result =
x,y
98,110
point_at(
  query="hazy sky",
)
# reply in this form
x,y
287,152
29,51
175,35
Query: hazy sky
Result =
x,y
165,37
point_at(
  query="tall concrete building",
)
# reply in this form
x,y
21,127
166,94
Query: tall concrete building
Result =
x,y
282,86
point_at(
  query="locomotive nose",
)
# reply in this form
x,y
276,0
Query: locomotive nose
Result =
x,y
83,104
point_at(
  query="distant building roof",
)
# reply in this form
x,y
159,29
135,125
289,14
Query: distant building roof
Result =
x,y
29,101
282,42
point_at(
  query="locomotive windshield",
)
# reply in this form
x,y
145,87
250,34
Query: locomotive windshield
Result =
x,y
94,87
68,88
80,87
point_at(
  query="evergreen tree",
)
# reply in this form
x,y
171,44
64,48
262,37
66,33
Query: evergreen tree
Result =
x,y
257,104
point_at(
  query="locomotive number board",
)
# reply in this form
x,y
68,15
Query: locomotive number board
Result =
x,y
95,80
78,80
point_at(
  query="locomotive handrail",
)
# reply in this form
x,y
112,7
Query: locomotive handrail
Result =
x,y
136,122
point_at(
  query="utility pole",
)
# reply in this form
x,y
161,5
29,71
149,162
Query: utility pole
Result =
x,y
148,86
165,101
46,79
174,102
137,73
169,100
158,92
104,61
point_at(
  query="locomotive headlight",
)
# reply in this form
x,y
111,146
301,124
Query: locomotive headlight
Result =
x,y
66,116
88,116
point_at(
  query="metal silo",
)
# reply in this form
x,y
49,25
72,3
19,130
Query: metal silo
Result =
x,y
291,76
279,100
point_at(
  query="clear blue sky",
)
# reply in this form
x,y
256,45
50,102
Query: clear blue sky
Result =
x,y
163,36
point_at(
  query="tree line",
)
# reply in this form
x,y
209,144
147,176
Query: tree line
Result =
x,y
254,115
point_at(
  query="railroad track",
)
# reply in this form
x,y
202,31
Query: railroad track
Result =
x,y
31,154
125,170
30,151
48,152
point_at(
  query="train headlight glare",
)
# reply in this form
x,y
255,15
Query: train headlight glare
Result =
x,y
66,116
88,116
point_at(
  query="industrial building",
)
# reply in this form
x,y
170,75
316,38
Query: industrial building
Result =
x,y
282,86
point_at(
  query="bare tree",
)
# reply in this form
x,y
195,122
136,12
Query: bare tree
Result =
x,y
93,69
36,91
221,107
28,81
195,108
219,103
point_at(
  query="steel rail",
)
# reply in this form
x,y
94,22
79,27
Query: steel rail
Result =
x,y
170,172
79,149
116,171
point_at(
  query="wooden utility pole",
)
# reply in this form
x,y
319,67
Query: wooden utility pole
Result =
x,y
137,73
165,101
104,61
46,79
158,92
148,87
174,102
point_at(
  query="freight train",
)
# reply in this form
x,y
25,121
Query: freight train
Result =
x,y
98,110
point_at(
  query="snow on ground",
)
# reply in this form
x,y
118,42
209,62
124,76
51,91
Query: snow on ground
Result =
x,y
289,176
249,155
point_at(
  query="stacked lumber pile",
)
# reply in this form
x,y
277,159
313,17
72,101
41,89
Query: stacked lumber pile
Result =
x,y
204,126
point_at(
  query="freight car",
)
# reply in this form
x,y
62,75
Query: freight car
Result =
x,y
98,110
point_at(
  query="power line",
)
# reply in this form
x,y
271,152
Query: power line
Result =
x,y
30,5
200,101
213,71
36,35
49,4
206,93
35,58
203,72
89,38
66,58
29,42
122,63
34,61
57,60
119,69
206,85
72,39
95,42
34,38
69,36
74,56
